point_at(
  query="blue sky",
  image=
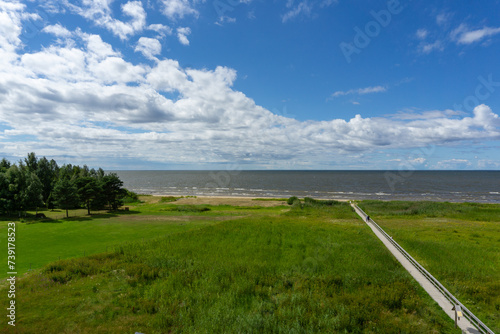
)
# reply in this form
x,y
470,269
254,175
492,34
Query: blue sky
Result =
x,y
285,84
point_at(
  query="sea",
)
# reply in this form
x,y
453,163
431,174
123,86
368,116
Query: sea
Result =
x,y
452,186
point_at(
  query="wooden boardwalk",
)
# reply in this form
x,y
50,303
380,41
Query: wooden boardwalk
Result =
x,y
430,284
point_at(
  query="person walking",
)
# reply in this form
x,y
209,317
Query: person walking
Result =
x,y
367,218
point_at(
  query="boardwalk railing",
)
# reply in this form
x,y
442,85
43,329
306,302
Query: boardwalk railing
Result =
x,y
468,314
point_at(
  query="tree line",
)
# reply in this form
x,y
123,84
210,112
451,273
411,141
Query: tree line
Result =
x,y
35,183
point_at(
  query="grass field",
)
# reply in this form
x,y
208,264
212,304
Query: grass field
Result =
x,y
42,241
232,269
459,243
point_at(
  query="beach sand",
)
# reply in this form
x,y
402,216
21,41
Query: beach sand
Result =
x,y
225,200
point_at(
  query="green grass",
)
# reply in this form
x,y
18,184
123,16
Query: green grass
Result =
x,y
168,199
39,242
310,269
459,243
424,209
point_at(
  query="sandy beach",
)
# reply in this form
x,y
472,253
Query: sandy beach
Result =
x,y
227,200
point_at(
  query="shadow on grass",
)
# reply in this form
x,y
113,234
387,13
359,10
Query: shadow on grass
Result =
x,y
31,218
111,214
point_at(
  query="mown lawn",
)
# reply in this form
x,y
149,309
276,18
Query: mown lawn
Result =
x,y
313,269
458,243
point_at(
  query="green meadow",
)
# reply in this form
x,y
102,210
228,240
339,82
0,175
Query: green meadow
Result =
x,y
458,243
163,267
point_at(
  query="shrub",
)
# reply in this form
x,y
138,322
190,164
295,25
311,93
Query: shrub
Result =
x,y
292,200
131,197
311,202
168,199
186,208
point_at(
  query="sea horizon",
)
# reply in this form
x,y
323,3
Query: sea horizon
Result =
x,y
481,186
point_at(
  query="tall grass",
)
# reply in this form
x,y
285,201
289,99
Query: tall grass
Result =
x,y
459,243
303,271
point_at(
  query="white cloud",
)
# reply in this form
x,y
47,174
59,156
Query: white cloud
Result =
x,y
223,19
149,47
421,33
361,91
463,35
327,3
161,29
57,30
178,8
100,13
89,102
443,18
302,8
417,161
429,47
430,114
182,34
305,8
453,164
11,15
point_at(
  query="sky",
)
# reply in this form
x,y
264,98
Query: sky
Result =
x,y
252,84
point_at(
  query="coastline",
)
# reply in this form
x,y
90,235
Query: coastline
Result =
x,y
477,187
236,200
223,200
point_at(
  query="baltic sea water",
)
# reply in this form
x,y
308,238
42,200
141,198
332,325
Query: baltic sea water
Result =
x,y
453,186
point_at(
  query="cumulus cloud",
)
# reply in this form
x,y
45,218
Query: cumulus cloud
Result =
x,y
84,99
161,29
11,15
174,9
149,47
101,14
182,34
57,30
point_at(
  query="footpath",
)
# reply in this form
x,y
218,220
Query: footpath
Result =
x,y
464,324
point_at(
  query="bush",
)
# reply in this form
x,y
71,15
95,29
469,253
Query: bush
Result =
x,y
292,200
311,202
168,199
131,197
186,208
